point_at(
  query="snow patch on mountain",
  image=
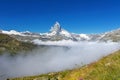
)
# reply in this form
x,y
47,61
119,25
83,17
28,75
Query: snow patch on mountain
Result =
x,y
65,33
11,32
84,36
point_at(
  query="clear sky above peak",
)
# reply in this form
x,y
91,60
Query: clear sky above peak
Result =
x,y
78,16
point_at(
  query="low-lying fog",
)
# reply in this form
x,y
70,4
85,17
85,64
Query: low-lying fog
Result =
x,y
52,59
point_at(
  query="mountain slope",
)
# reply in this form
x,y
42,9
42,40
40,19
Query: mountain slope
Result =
x,y
111,36
108,68
11,45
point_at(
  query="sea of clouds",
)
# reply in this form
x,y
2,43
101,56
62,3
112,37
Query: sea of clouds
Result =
x,y
52,59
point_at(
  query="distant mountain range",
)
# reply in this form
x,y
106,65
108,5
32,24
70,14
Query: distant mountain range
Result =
x,y
57,33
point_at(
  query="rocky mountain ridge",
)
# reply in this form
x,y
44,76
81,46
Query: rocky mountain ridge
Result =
x,y
57,33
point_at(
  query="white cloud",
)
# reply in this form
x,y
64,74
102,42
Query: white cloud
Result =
x,y
51,59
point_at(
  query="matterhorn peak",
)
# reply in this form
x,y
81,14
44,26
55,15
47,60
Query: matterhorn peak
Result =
x,y
56,28
57,24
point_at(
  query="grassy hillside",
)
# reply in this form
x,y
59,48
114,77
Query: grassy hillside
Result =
x,y
108,68
11,45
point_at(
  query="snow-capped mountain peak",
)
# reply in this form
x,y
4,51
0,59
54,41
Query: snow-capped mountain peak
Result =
x,y
55,29
11,32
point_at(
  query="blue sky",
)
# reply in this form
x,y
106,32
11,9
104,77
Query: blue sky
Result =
x,y
78,16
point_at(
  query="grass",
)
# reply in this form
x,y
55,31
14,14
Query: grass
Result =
x,y
107,68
